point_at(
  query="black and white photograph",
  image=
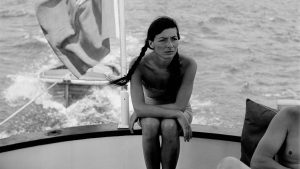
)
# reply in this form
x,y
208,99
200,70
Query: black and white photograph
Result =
x,y
157,84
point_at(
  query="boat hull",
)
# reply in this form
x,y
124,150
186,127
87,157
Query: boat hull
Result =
x,y
109,149
69,88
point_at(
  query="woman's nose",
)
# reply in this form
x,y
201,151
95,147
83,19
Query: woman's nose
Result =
x,y
170,43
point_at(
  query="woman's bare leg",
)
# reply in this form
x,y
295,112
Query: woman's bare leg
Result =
x,y
150,140
170,143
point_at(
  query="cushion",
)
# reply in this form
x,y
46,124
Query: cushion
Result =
x,y
257,119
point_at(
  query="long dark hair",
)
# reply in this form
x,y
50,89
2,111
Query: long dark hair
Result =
x,y
156,27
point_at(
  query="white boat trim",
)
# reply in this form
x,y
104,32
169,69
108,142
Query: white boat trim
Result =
x,y
107,147
77,82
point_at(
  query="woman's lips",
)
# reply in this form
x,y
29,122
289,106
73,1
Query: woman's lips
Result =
x,y
169,52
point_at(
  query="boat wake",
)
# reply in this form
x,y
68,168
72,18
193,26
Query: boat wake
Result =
x,y
100,106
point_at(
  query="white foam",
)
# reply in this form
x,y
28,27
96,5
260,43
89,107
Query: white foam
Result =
x,y
40,38
195,102
25,86
102,106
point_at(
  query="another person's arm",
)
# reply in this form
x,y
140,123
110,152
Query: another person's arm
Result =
x,y
270,143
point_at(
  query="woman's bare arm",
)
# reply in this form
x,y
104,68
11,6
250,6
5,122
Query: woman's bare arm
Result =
x,y
186,88
145,110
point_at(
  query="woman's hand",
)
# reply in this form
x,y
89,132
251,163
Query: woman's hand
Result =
x,y
186,128
133,119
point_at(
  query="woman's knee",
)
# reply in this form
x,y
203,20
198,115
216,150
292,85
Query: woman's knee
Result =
x,y
169,128
150,127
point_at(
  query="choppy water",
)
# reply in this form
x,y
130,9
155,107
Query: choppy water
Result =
x,y
244,49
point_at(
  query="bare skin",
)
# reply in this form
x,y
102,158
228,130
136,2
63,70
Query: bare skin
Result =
x,y
282,139
162,118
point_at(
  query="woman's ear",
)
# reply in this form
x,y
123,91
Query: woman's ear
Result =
x,y
150,44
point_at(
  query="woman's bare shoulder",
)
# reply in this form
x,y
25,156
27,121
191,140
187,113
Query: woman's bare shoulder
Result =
x,y
187,61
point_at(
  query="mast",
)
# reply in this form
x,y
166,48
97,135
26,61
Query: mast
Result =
x,y
124,123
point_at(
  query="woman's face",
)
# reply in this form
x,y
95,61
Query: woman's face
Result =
x,y
165,44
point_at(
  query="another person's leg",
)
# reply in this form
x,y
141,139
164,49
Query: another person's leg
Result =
x,y
150,140
170,143
232,163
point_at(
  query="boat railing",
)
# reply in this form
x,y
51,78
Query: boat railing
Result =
x,y
27,104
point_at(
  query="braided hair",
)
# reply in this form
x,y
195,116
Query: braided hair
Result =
x,y
124,80
156,27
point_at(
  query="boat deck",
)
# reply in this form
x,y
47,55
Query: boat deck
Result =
x,y
107,147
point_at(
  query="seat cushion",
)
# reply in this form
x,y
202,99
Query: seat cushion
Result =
x,y
257,119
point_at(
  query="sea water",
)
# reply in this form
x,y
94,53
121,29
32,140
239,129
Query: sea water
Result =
x,y
244,49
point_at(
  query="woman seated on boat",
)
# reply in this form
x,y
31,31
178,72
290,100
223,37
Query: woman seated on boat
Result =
x,y
282,139
161,87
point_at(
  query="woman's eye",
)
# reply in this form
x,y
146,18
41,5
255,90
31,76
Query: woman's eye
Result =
x,y
164,40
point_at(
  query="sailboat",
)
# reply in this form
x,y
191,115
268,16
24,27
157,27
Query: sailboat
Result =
x,y
79,32
112,146
69,88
